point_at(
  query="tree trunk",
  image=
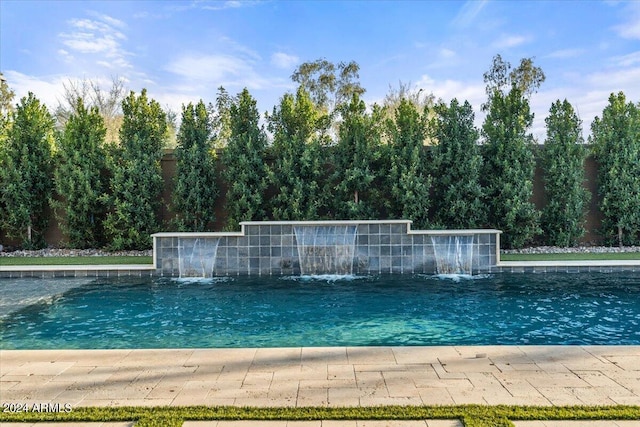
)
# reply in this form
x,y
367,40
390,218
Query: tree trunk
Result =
x,y
355,196
620,236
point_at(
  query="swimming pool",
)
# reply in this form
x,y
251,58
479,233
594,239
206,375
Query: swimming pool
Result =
x,y
398,310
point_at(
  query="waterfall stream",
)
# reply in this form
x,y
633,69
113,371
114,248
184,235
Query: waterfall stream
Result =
x,y
326,249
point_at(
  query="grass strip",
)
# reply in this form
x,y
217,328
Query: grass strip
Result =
x,y
76,260
471,415
572,257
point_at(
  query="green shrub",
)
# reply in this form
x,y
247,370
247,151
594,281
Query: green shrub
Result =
x,y
136,181
195,192
616,140
26,175
457,165
563,164
79,178
243,158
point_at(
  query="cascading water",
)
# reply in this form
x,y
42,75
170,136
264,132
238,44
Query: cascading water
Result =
x,y
197,257
453,254
326,249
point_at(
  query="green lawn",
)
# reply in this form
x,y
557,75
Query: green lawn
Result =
x,y
471,415
571,257
76,260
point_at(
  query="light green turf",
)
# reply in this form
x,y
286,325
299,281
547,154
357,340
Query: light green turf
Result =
x,y
76,260
471,415
572,257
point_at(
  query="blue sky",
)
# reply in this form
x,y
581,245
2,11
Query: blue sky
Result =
x,y
182,51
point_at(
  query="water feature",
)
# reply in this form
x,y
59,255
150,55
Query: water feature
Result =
x,y
197,256
453,254
276,248
326,249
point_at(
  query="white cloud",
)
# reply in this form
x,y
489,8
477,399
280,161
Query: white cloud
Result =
x,y
47,89
566,53
627,60
507,41
449,89
209,67
447,53
108,19
588,94
201,70
631,28
222,5
468,12
283,60
98,37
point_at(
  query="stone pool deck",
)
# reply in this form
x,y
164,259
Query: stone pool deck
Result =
x,y
333,376
327,377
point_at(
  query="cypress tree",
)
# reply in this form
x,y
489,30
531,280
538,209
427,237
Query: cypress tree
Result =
x,y
509,161
79,177
563,164
458,164
243,158
136,182
27,170
409,182
195,191
359,139
296,174
616,139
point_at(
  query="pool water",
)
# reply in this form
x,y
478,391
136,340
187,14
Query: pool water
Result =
x,y
398,310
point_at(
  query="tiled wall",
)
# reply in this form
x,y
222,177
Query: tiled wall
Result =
x,y
270,248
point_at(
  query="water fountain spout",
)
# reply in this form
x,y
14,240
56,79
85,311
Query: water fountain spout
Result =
x,y
453,254
197,256
326,249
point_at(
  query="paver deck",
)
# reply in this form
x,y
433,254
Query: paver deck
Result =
x,y
334,376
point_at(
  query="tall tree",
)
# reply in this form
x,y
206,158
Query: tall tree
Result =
x,y
6,107
297,171
509,160
136,182
27,171
358,148
457,164
409,182
422,100
563,164
616,140
244,166
92,94
195,192
221,117
79,179
328,84
6,98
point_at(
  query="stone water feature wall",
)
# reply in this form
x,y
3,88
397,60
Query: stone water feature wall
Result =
x,y
317,247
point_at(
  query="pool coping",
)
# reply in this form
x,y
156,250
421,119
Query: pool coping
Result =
x,y
80,270
149,270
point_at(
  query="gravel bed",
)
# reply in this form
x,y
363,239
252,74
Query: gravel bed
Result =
x,y
51,252
573,250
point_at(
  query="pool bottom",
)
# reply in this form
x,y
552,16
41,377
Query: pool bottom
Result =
x,y
406,310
